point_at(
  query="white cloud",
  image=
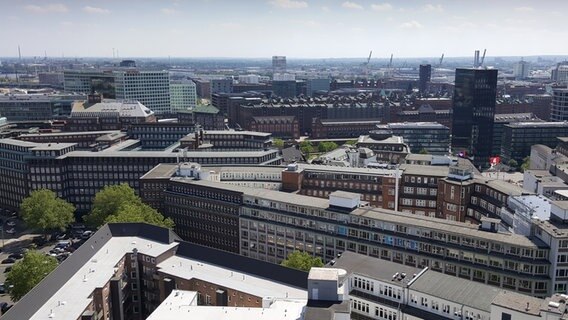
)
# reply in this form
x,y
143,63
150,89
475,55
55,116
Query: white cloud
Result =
x,y
433,8
325,9
311,23
229,25
48,8
95,10
381,7
351,5
289,4
412,25
524,9
168,11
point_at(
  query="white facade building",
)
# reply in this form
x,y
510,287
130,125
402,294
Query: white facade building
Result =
x,y
183,95
249,78
151,88
521,70
283,77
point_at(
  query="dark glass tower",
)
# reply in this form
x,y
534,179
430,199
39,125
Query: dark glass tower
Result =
x,y
425,74
473,113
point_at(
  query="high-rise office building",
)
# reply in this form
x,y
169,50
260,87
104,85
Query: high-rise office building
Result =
x,y
313,85
284,89
473,113
560,73
425,74
278,64
521,70
559,111
151,88
89,81
221,86
183,95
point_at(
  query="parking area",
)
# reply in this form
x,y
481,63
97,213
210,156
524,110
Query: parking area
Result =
x,y
59,246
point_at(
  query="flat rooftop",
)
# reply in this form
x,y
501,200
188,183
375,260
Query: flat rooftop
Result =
x,y
76,133
187,268
182,304
76,294
441,225
538,124
373,268
518,302
279,196
470,293
232,132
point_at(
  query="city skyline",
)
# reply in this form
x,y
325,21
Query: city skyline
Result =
x,y
295,28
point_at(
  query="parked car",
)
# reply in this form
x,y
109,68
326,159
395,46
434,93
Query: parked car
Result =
x,y
16,256
11,231
87,234
8,260
2,291
63,244
63,236
11,223
39,241
6,307
7,269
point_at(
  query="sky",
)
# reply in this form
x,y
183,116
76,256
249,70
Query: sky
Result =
x,y
294,28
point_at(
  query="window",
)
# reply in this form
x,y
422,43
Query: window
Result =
x,y
505,316
207,299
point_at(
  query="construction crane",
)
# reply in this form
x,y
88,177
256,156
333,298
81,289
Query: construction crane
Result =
x,y
441,60
366,64
390,62
482,58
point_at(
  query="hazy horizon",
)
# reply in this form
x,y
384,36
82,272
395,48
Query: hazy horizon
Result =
x,y
298,29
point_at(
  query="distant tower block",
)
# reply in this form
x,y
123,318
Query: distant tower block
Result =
x,y
425,74
278,64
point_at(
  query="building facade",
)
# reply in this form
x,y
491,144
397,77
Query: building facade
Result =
x,y
431,137
272,224
424,76
151,88
183,95
520,136
221,86
559,111
473,113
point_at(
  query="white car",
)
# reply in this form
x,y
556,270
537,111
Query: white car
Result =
x,y
11,223
11,231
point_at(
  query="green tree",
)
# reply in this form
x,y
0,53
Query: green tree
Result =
x,y
301,261
108,201
306,147
351,142
513,163
278,143
326,146
119,203
140,212
28,272
526,164
423,151
43,210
